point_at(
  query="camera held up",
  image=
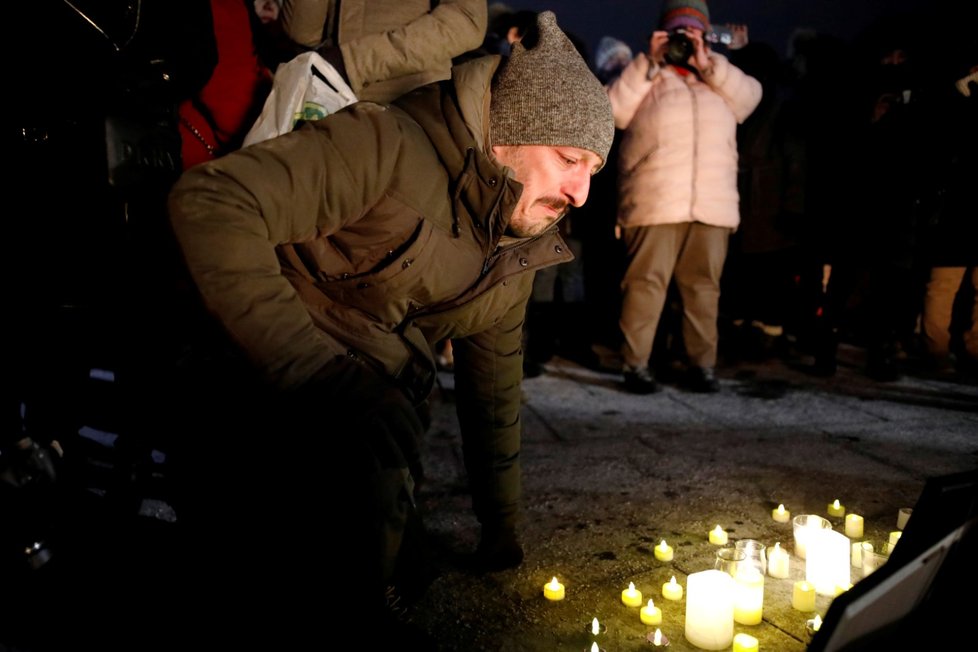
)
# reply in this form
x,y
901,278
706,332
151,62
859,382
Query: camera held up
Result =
x,y
679,48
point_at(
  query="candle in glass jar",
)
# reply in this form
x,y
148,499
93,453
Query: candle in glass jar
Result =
x,y
778,562
854,526
672,590
836,509
651,614
663,551
748,596
718,536
781,515
631,597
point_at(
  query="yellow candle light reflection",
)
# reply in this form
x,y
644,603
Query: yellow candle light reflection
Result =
x,y
718,536
663,551
745,643
553,590
651,614
836,509
672,590
631,597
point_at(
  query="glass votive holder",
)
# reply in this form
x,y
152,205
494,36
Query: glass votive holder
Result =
x,y
729,560
874,555
802,526
756,555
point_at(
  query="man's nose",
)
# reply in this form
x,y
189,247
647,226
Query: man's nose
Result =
x,y
576,188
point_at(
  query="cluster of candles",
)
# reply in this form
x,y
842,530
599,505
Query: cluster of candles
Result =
x,y
716,599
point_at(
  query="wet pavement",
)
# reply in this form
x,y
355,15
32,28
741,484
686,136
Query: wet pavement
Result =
x,y
608,475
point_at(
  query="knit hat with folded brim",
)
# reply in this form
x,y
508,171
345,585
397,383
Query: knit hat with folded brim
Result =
x,y
545,94
685,13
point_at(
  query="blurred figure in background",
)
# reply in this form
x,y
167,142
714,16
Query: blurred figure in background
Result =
x,y
679,105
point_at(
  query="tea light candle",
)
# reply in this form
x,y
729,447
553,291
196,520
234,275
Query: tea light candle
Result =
x,y
657,638
836,509
672,590
718,536
651,614
631,597
553,590
803,596
778,562
663,551
854,526
745,643
895,537
903,516
781,515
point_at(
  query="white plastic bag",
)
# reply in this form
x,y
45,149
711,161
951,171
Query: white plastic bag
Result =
x,y
305,88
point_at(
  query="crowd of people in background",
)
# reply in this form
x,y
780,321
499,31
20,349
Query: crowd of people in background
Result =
x,y
752,205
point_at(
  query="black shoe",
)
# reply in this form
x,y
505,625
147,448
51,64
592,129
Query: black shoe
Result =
x,y
498,550
702,379
639,380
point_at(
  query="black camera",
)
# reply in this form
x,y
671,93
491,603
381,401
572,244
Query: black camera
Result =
x,y
679,48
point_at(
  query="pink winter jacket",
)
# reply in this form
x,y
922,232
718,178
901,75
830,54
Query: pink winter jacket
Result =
x,y
678,156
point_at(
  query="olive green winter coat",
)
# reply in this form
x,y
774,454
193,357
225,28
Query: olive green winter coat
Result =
x,y
374,233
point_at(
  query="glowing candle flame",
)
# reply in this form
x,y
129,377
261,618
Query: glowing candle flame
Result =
x,y
595,648
657,639
817,621
595,627
554,584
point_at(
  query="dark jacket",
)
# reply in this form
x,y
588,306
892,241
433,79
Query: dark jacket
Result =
x,y
374,233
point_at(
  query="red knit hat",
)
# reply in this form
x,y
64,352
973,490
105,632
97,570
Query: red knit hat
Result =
x,y
685,13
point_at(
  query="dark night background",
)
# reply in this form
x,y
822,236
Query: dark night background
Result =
x,y
771,21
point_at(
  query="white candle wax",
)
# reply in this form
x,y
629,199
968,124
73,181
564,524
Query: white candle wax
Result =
x,y
903,516
748,596
827,564
854,526
778,562
710,609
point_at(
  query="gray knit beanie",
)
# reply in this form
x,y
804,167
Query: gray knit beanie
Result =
x,y
547,95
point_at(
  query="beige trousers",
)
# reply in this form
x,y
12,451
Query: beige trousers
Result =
x,y
938,302
693,254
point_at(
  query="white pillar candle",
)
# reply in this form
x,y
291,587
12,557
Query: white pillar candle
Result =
x,y
827,564
748,596
778,563
857,554
854,526
803,526
903,516
710,609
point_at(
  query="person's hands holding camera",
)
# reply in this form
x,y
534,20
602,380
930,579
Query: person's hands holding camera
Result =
x,y
658,43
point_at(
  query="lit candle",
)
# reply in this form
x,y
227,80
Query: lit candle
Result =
x,y
836,509
651,614
631,597
903,516
718,536
663,551
672,590
778,562
803,596
814,624
657,638
748,596
894,538
595,648
854,526
745,643
828,562
781,515
553,590
710,609
595,627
